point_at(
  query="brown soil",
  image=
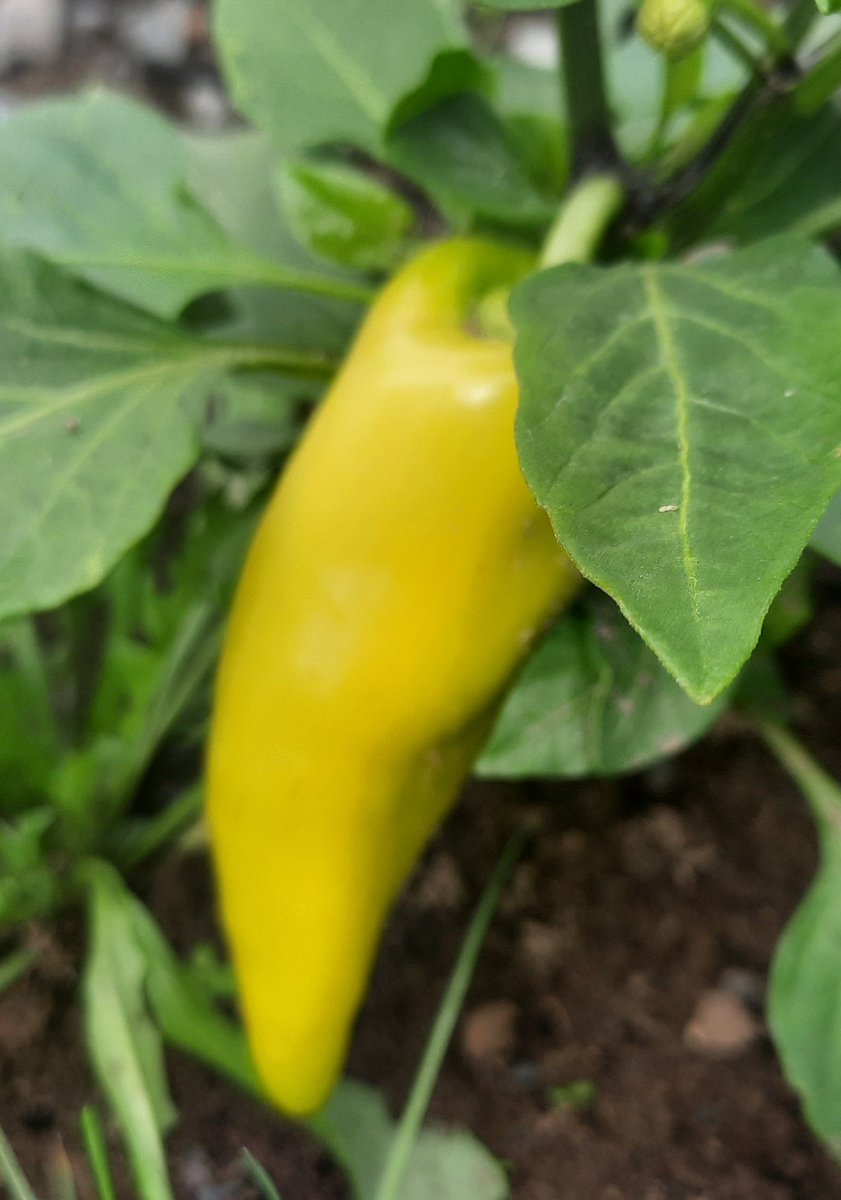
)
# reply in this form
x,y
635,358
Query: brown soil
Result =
x,y
630,953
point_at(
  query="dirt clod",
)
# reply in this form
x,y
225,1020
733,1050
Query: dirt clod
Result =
x,y
721,1025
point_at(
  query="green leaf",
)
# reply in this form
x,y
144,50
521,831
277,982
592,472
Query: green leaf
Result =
x,y
446,1164
97,185
778,175
184,1012
331,70
123,1042
345,215
29,885
804,1002
94,428
29,732
234,176
592,700
461,153
681,426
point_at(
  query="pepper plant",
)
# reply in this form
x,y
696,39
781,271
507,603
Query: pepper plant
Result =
x,y
172,307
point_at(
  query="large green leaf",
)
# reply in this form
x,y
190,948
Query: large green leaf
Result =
x,y
334,70
592,700
804,1003
94,428
682,427
97,185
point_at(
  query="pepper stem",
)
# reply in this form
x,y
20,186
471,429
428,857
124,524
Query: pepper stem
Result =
x,y
580,225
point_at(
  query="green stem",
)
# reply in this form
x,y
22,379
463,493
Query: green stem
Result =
x,y
734,45
754,15
410,1123
278,358
97,1152
587,109
579,226
315,285
10,1173
819,788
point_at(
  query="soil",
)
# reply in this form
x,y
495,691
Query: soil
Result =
x,y
628,957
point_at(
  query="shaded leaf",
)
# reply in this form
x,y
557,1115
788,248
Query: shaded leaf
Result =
x,y
331,70
592,700
345,215
465,158
234,176
681,426
778,175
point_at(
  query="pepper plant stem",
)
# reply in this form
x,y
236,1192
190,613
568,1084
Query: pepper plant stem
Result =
x,y
579,226
754,15
442,1030
588,113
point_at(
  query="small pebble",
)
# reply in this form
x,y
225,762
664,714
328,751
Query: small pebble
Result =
x,y
489,1032
721,1026
31,32
441,885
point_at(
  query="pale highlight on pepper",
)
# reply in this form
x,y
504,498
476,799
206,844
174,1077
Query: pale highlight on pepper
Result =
x,y
399,577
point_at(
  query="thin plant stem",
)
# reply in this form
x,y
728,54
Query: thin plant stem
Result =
x,y
11,1174
260,1176
587,108
410,1123
97,1152
738,49
759,19
819,788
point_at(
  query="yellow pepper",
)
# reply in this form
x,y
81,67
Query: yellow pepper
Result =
x,y
399,577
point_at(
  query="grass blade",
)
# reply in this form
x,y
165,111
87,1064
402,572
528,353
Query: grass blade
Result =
x,y
260,1177
11,1174
97,1152
442,1030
